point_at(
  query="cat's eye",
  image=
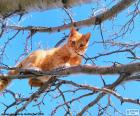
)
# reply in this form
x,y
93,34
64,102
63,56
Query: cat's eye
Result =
x,y
73,42
81,45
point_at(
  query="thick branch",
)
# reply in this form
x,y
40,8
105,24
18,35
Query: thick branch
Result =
x,y
9,7
123,4
85,69
91,69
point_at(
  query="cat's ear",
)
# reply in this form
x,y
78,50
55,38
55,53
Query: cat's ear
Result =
x,y
73,31
87,36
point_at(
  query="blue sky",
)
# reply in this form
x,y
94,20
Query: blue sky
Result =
x,y
48,40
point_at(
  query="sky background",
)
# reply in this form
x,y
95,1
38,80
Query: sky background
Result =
x,y
48,40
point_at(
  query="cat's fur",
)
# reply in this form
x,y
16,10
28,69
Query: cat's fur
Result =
x,y
67,55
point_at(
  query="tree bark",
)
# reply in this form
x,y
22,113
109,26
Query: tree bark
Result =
x,y
95,20
9,7
84,69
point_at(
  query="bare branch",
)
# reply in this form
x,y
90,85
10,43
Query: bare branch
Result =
x,y
95,20
95,101
8,7
36,94
85,69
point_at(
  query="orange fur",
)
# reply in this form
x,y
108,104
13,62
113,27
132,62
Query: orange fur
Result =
x,y
67,55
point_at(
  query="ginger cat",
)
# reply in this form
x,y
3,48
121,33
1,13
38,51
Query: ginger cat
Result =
x,y
45,60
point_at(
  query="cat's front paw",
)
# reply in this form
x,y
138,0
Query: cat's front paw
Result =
x,y
34,68
67,65
31,70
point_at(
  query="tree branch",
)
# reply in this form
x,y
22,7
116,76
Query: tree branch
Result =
x,y
8,7
85,69
36,94
95,101
95,20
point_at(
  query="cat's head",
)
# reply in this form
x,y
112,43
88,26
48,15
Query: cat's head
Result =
x,y
78,42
